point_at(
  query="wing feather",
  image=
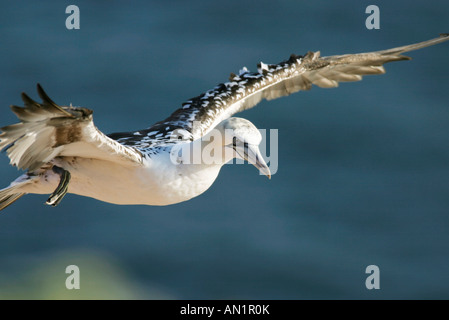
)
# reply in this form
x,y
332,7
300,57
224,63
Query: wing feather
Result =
x,y
48,130
202,113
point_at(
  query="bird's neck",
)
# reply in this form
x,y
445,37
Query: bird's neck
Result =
x,y
207,150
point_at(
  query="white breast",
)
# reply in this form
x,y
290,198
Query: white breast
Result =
x,y
157,182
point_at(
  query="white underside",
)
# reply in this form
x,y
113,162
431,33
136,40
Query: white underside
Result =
x,y
159,182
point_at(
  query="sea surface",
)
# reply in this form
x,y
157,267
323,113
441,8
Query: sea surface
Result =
x,y
363,170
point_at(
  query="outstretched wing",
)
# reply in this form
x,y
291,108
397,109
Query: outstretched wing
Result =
x,y
48,130
243,91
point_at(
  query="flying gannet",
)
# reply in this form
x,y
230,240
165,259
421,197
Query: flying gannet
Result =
x,y
62,151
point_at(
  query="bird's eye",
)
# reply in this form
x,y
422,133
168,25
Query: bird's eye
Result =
x,y
234,142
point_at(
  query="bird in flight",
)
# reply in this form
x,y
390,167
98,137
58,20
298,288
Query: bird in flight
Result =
x,y
61,150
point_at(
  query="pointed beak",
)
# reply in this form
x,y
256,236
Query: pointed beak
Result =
x,y
251,153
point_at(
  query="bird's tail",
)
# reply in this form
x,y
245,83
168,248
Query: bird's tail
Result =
x,y
15,191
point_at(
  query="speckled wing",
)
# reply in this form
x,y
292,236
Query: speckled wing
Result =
x,y
243,91
47,130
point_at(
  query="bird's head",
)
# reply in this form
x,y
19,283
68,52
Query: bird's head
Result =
x,y
244,138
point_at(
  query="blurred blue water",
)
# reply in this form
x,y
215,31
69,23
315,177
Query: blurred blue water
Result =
x,y
363,169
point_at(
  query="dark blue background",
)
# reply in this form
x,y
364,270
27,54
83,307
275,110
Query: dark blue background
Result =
x,y
363,169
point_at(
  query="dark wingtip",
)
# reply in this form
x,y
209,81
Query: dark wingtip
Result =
x,y
27,100
444,35
44,96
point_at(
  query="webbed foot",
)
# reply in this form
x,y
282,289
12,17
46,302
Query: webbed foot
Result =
x,y
62,187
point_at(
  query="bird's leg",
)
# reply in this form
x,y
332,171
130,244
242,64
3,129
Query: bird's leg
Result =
x,y
62,187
